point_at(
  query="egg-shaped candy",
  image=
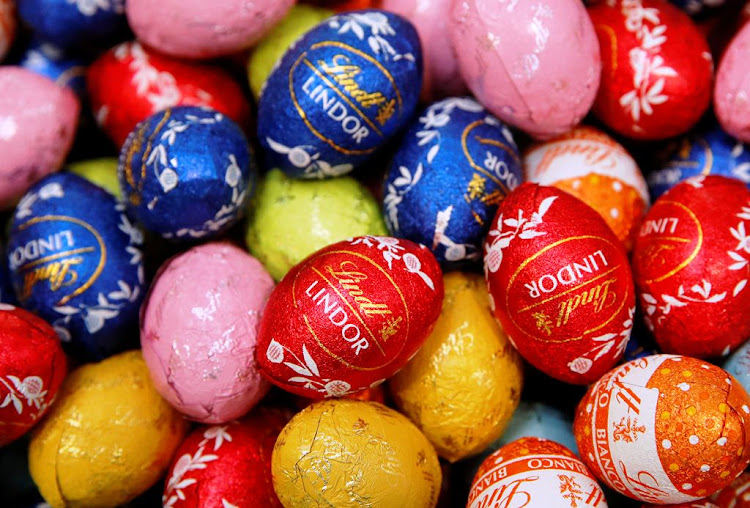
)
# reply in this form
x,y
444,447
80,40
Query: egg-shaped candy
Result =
x,y
515,59
227,465
737,495
345,88
738,365
560,283
75,260
63,67
691,260
465,382
107,438
195,29
596,169
7,26
32,368
733,87
102,172
37,126
534,472
198,331
129,83
75,23
349,316
371,453
186,172
656,68
665,429
454,166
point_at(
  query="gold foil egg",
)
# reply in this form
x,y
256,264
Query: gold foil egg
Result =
x,y
462,387
107,439
345,453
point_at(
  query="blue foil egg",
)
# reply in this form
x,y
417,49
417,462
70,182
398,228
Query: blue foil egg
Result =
x,y
75,260
339,93
57,64
455,165
738,365
699,8
186,173
712,151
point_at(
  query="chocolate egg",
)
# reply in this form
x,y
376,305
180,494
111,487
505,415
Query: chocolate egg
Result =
x,y
7,26
198,331
370,453
454,166
349,316
37,126
691,261
102,172
737,495
560,283
345,88
32,368
63,67
656,68
534,472
597,170
738,365
732,87
515,58
179,191
665,429
465,382
129,83
75,260
108,437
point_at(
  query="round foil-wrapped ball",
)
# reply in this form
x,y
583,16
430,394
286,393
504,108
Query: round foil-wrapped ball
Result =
x,y
656,68
32,368
339,94
692,260
107,438
37,127
291,219
733,87
7,26
102,172
75,260
536,472
198,331
454,166
665,429
516,60
228,465
64,68
465,382
596,169
349,316
336,452
559,283
196,29
129,83
186,173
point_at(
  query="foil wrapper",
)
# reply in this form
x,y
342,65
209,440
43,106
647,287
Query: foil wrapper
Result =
x,y
63,67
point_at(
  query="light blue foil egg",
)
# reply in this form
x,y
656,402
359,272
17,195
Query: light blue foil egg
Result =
x,y
738,365
59,65
455,165
186,173
75,260
339,93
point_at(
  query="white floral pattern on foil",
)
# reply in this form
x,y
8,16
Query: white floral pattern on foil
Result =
x,y
391,247
31,389
396,191
379,27
659,311
306,370
741,252
605,343
307,158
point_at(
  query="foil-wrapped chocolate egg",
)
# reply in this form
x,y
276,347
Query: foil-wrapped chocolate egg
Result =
x,y
346,452
737,495
738,365
732,87
62,66
665,429
75,260
102,172
343,90
7,26
186,172
454,166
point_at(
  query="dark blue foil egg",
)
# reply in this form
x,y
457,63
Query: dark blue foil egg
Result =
x,y
58,64
699,8
186,173
710,152
75,260
75,23
456,163
339,93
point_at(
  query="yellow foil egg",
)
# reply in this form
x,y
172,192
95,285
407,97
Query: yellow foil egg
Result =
x,y
354,453
462,387
108,437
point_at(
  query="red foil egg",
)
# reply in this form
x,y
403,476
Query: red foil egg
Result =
x,y
349,316
32,368
129,83
560,283
656,68
692,264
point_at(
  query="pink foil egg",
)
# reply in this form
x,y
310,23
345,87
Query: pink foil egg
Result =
x,y
200,29
198,331
38,121
732,90
535,65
